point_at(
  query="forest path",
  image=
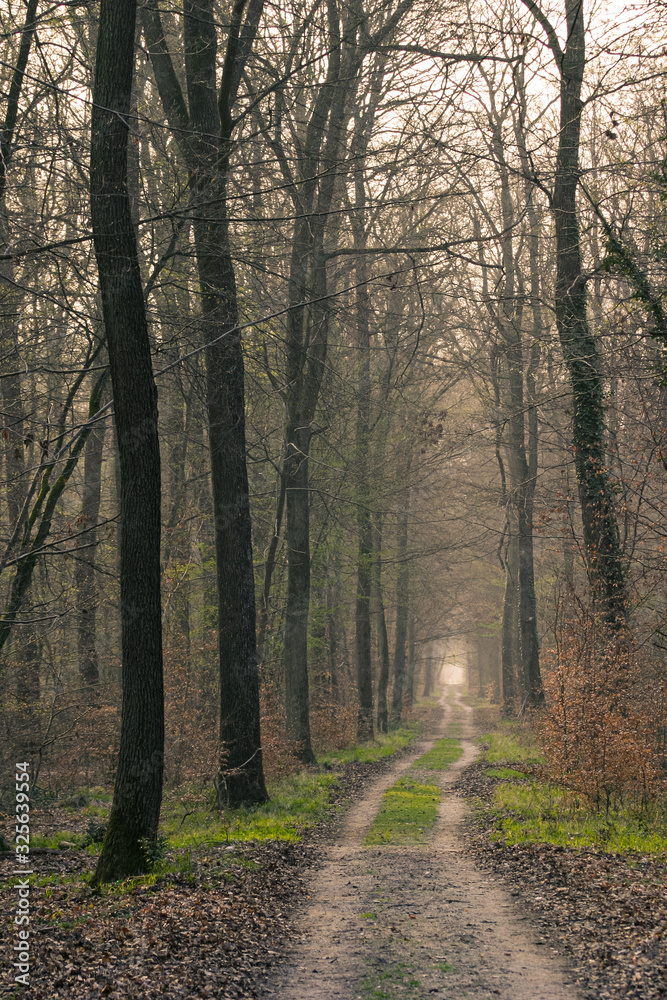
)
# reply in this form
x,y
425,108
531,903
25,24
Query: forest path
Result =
x,y
415,922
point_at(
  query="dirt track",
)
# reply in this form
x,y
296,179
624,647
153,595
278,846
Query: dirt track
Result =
x,y
413,922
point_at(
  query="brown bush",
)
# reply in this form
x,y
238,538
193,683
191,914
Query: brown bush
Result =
x,y
606,710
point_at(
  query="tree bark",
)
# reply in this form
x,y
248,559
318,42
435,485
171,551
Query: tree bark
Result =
x,y
363,130
138,787
522,472
410,674
580,350
307,344
204,130
510,652
428,670
85,577
402,607
364,526
297,697
382,715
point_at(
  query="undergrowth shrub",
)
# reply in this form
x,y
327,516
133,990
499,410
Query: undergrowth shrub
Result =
x,y
606,711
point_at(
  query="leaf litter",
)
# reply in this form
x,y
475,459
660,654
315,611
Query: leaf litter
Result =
x,y
214,930
219,929
607,912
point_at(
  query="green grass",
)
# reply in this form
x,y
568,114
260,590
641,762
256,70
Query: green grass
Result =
x,y
53,839
475,701
512,743
383,746
505,772
441,755
410,807
408,811
298,802
542,813
527,810
431,701
384,985
190,821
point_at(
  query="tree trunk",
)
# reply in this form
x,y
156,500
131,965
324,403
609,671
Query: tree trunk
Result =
x,y
510,655
204,134
13,432
85,575
364,526
580,350
410,674
332,642
138,788
428,670
319,166
522,473
382,640
297,698
269,566
402,607
601,539
177,539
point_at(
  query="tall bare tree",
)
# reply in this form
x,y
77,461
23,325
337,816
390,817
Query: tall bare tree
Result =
x,y
138,789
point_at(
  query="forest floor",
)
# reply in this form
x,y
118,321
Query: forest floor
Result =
x,y
455,916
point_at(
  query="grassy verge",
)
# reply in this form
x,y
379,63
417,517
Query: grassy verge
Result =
x,y
477,701
410,807
298,802
190,820
525,809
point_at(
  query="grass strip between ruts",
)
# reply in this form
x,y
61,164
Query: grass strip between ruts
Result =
x,y
410,807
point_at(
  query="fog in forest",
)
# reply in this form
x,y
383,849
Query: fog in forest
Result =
x,y
332,369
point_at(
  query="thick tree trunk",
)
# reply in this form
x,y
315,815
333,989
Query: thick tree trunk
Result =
x,y
138,788
204,131
601,539
306,356
522,472
580,350
241,769
319,166
241,764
